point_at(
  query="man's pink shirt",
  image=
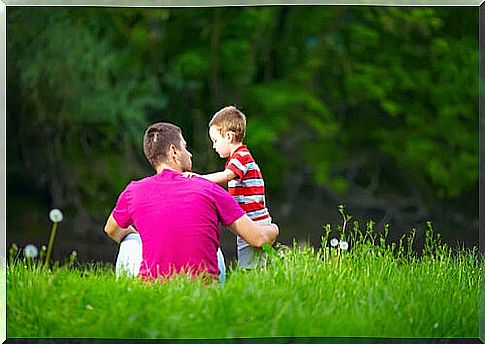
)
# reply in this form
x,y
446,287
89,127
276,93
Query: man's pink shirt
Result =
x,y
177,219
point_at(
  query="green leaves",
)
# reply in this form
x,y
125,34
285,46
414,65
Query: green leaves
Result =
x,y
87,94
341,95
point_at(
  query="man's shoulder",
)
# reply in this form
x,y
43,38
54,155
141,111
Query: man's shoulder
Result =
x,y
201,182
207,186
139,183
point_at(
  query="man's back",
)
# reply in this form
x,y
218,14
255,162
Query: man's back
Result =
x,y
177,219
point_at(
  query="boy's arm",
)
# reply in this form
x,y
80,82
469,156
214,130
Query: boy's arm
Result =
x,y
220,177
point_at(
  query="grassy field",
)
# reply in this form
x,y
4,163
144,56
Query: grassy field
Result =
x,y
3,300
373,289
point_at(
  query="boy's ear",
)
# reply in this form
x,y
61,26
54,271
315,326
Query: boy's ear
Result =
x,y
230,136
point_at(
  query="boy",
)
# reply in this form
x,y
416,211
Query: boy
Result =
x,y
245,182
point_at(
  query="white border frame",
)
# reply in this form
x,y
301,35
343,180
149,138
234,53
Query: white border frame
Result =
x,y
226,3
3,173
143,3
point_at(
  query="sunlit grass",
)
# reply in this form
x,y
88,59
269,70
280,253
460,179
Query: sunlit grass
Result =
x,y
373,289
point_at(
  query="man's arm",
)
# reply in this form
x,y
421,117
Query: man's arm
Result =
x,y
115,232
220,177
254,234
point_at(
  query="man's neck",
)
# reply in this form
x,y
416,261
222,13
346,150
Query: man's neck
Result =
x,y
171,167
235,146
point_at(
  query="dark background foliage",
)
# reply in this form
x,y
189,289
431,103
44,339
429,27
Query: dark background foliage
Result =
x,y
374,107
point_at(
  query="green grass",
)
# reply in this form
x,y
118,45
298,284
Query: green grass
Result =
x,y
3,300
372,290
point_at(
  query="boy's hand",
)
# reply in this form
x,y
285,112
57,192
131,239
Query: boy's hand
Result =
x,y
190,174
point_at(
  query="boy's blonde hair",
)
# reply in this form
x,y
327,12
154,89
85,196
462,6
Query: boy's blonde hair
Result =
x,y
230,119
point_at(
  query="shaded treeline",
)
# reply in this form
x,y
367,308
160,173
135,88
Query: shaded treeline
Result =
x,y
374,107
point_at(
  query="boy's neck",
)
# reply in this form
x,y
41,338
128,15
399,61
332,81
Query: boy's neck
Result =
x,y
235,146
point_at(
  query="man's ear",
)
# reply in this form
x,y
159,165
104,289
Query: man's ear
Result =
x,y
172,150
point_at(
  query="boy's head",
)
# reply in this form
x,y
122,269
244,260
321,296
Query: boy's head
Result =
x,y
230,119
227,127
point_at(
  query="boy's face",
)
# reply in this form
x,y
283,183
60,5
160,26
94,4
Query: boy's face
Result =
x,y
221,144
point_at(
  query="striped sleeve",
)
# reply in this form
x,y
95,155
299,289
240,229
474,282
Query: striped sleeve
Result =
x,y
239,164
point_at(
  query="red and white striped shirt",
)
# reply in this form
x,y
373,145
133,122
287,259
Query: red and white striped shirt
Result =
x,y
248,187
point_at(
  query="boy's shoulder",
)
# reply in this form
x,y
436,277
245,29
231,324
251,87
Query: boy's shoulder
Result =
x,y
242,152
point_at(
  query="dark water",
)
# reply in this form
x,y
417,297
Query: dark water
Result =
x,y
28,222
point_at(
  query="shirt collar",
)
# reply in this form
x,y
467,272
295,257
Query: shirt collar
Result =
x,y
167,174
238,149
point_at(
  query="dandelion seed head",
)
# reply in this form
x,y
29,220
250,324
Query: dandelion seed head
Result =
x,y
31,251
283,251
334,242
344,245
73,256
55,215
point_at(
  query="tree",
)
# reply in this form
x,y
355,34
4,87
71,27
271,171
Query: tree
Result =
x,y
375,106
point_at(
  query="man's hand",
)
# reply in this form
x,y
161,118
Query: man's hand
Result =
x,y
115,232
253,233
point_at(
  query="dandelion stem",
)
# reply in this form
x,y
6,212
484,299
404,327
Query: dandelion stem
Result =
x,y
51,243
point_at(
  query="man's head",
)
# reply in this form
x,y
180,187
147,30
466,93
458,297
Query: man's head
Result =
x,y
227,126
163,143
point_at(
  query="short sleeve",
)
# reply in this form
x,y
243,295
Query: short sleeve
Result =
x,y
228,210
121,212
236,165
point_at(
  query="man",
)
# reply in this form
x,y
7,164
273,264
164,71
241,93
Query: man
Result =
x,y
176,217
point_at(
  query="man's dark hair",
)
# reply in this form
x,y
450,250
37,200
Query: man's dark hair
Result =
x,y
158,138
